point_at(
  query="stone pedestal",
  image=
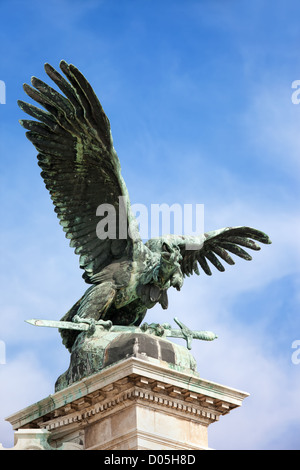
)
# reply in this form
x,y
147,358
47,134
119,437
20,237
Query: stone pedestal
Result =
x,y
137,403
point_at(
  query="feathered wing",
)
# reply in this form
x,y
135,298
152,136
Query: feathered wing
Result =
x,y
216,246
80,166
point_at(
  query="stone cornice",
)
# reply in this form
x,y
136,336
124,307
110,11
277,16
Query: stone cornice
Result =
x,y
191,409
147,382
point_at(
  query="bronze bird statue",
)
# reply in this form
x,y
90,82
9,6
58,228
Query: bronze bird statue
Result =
x,y
81,170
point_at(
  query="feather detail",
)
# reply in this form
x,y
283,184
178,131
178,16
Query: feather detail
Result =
x,y
79,165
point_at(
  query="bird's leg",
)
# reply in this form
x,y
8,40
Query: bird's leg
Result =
x,y
96,301
94,305
90,321
155,328
106,324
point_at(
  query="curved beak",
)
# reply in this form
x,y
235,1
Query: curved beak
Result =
x,y
177,281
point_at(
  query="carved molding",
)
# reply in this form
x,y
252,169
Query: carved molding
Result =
x,y
122,385
139,390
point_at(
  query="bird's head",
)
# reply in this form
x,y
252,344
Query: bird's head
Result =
x,y
169,273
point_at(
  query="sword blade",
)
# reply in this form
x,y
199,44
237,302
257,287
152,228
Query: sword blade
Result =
x,y
64,325
168,332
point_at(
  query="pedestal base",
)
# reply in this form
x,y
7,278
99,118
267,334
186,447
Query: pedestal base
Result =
x,y
132,405
93,353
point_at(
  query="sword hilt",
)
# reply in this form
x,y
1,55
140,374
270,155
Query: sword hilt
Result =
x,y
186,333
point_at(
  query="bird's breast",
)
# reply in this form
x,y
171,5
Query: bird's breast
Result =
x,y
124,296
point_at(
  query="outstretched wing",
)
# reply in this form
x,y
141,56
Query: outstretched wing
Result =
x,y
215,246
80,167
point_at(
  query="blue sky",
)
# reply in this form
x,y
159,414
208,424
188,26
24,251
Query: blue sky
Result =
x,y
198,94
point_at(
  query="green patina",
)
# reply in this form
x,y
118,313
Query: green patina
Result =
x,y
100,350
81,170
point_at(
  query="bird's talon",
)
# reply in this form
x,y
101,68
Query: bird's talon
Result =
x,y
106,324
153,328
144,327
77,319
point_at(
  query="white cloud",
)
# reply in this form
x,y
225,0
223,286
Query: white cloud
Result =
x,y
23,381
270,409
242,356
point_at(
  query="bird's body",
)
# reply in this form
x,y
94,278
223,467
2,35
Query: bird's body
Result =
x,y
81,170
125,290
